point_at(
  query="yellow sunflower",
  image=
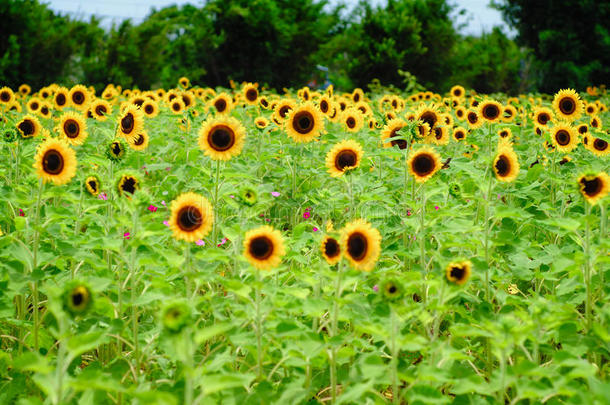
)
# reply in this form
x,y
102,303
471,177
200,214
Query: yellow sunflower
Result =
x,y
344,156
192,217
79,97
55,161
439,135
474,119
61,98
92,185
304,123
565,137
184,82
490,110
458,272
331,250
599,147
594,187
429,115
457,91
127,185
596,122
222,138
423,164
264,247
250,93
131,122
33,105
352,119
261,122
567,104
222,103
506,165
7,96
325,105
509,113
460,134
460,113
390,130
542,116
100,109
361,244
177,105
139,142
29,126
45,109
150,108
73,128
25,89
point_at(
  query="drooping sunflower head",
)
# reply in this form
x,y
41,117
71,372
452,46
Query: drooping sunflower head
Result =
x,y
127,185
331,250
61,98
139,142
100,109
594,186
361,244
175,316
565,138
568,105
73,128
115,150
250,93
460,134
344,156
423,164
390,130
79,97
130,122
77,298
458,272
352,119
506,164
304,123
55,161
222,138
222,103
192,217
93,185
29,126
474,119
264,247
490,110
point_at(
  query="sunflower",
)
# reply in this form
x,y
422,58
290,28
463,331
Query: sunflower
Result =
x,y
222,138
264,102
440,135
457,91
188,99
184,82
505,133
79,96
565,138
150,108
33,105
115,150
509,113
29,126
460,134
473,119
128,184
352,119
582,129
250,93
429,115
139,142
6,96
93,185
542,116
460,113
567,104
261,122
177,105
325,105
100,109
390,130
594,187
55,161
25,89
357,95
131,122
331,250
222,103
392,289
304,123
490,110
458,272
599,147
264,247
61,98
344,156
192,217
361,244
175,316
423,164
596,122
591,109
72,128
248,196
77,298
506,164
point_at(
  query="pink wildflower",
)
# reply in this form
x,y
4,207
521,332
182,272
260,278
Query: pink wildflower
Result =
x,y
275,193
152,208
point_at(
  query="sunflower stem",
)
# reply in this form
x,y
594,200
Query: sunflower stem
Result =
x,y
134,310
334,332
187,266
216,186
35,261
188,372
258,327
602,236
61,355
394,361
587,275
422,231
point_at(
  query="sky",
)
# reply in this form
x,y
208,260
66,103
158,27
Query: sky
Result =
x,y
479,18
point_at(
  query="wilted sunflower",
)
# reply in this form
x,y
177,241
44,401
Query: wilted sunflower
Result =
x,y
61,98
457,91
150,108
127,185
79,97
304,123
55,161
344,156
7,96
33,105
564,137
352,119
473,119
458,272
192,217
423,164
115,150
93,185
506,164
261,122
264,247
77,298
100,109
361,244
131,122
567,104
139,142
250,93
222,138
599,147
542,116
72,128
460,134
490,110
222,103
594,187
29,126
390,130
331,250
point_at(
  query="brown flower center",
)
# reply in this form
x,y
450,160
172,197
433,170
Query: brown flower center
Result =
x,y
502,166
27,127
128,123
591,187
261,247
71,129
60,99
129,184
221,138
491,111
350,122
189,218
303,122
220,105
331,248
567,106
562,137
357,246
423,164
52,162
457,273
345,158
251,94
600,144
78,98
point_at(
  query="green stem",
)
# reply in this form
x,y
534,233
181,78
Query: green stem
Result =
x,y
394,361
188,372
259,326
587,248
334,332
134,310
216,208
35,262
61,355
422,231
189,271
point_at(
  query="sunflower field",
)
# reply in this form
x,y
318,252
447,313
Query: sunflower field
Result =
x,y
200,245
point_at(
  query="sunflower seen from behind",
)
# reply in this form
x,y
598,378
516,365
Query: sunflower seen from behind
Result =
x,y
222,138
344,156
361,244
264,247
55,161
192,217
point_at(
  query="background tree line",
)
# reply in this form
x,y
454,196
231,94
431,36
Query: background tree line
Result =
x,y
279,43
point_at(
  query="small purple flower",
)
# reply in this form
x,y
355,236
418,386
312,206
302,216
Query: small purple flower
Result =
x,y
21,213
163,203
232,196
436,207
306,215
376,288
499,196
275,193
102,196
315,229
200,243
267,220
165,223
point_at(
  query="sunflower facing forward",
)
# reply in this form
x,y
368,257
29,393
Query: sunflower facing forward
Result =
x,y
331,250
506,165
192,217
361,244
55,161
567,104
304,123
79,96
29,126
565,138
490,110
222,138
264,247
594,187
344,156
458,272
423,164
72,128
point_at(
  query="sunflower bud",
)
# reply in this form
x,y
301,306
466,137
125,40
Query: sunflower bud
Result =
x,y
77,299
392,289
116,150
248,196
175,316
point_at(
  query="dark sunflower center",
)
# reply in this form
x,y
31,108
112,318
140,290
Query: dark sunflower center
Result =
x,y
78,298
350,122
592,187
251,94
261,247
52,162
176,106
503,134
595,123
331,248
429,117
5,96
139,140
93,185
171,97
401,143
543,118
189,218
438,133
600,144
220,105
60,99
457,273
78,98
567,106
34,106
508,113
44,110
423,164
346,158
264,103
502,166
221,138
459,135
356,97
149,109
27,127
129,185
138,102
100,110
472,117
283,111
392,289
324,106
562,137
491,111
128,123
71,128
459,113
303,122
187,100
357,246
116,148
